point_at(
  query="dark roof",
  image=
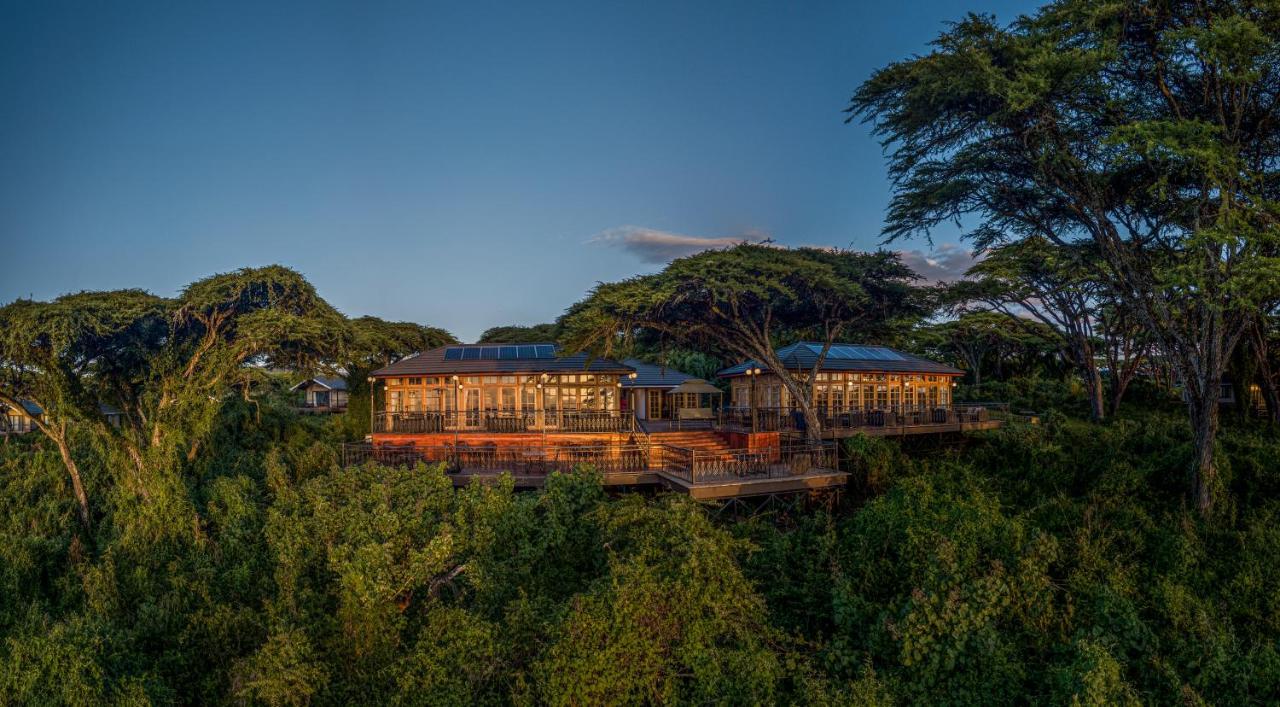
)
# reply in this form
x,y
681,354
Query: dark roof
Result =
x,y
650,376
848,357
330,383
30,407
460,360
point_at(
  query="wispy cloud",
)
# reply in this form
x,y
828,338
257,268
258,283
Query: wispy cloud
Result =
x,y
654,246
946,263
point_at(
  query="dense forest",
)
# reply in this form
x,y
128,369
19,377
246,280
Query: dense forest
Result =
x,y
1054,563
174,531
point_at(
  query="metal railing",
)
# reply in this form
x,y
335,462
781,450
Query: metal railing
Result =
x,y
504,421
489,458
692,465
699,466
773,419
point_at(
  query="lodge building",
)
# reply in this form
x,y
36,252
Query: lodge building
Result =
x,y
527,409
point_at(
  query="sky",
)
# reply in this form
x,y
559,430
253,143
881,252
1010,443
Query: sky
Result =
x,y
463,165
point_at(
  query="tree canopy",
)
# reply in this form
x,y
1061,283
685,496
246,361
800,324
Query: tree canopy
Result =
x,y
1147,128
744,301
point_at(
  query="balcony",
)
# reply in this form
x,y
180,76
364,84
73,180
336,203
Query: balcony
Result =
x,y
501,421
889,419
700,474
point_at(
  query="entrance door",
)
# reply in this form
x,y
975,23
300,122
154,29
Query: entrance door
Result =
x,y
653,405
322,398
471,406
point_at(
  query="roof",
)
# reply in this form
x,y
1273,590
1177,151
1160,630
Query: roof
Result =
x,y
695,385
28,406
498,358
848,357
649,375
330,383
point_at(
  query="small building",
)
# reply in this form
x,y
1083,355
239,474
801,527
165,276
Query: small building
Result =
x,y
19,421
852,377
656,392
323,394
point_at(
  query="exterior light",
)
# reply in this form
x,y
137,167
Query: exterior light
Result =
x,y
757,371
545,377
539,386
633,375
455,376
372,380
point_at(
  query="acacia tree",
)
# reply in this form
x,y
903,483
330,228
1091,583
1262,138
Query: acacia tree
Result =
x,y
516,334
1148,127
69,355
976,337
745,300
1055,286
376,343
167,364
1126,345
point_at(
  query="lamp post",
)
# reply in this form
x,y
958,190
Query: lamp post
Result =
x,y
752,374
372,402
635,397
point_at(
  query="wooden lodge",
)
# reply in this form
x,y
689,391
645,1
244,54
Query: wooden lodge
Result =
x,y
857,389
322,394
487,409
15,421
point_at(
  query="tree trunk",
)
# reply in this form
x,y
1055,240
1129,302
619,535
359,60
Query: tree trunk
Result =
x,y
1204,428
77,487
1093,383
1092,380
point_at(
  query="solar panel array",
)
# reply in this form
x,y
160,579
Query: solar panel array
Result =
x,y
858,353
500,353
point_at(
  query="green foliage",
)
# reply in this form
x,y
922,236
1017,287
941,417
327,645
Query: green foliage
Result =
x,y
515,334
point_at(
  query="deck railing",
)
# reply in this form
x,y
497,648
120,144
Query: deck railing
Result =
x,y
691,465
518,460
699,466
774,419
572,421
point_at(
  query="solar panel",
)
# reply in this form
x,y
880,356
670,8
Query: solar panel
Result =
x,y
846,352
509,353
490,353
452,354
528,351
546,351
471,354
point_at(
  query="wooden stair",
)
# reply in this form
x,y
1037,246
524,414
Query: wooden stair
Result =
x,y
698,440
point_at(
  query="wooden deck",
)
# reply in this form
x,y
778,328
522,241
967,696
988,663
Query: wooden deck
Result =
x,y
704,475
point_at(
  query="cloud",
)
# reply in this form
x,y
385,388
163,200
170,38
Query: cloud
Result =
x,y
654,246
948,262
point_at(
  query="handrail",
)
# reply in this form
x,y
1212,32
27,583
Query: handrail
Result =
x,y
775,419
692,465
520,460
502,421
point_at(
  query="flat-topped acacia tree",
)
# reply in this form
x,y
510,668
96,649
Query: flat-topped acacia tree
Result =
x,y
166,364
1148,128
376,343
745,301
1035,280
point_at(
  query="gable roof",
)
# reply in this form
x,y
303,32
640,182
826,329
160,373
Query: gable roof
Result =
x,y
803,355
493,358
649,375
327,382
29,407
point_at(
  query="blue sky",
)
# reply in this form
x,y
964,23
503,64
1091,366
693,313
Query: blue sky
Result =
x,y
462,165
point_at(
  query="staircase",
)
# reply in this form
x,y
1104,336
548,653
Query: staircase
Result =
x,y
708,441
